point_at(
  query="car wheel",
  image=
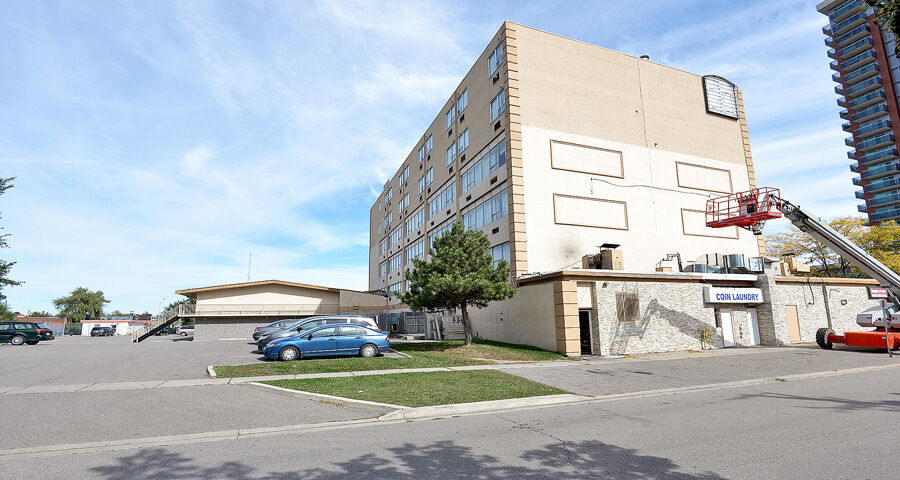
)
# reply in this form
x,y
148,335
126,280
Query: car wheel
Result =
x,y
288,354
32,343
368,350
822,338
183,334
17,340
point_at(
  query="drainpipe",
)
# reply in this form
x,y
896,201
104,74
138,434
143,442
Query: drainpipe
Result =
x,y
827,304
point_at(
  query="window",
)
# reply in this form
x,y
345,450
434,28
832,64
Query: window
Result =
x,y
324,332
382,270
500,252
495,59
429,176
403,175
404,202
380,203
415,221
463,141
310,325
494,208
396,263
451,153
390,195
429,143
491,161
422,184
442,200
388,219
379,227
463,101
421,153
353,332
439,233
451,115
396,236
5,326
627,307
415,251
382,248
395,289
498,104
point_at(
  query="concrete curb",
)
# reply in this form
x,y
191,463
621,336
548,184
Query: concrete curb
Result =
x,y
400,353
453,409
329,398
211,371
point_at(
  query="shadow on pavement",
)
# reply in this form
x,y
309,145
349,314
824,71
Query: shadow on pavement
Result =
x,y
569,460
831,403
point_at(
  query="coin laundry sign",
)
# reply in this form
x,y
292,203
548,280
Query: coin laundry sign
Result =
x,y
732,295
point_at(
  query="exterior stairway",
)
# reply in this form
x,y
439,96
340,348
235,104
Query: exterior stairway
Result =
x,y
161,321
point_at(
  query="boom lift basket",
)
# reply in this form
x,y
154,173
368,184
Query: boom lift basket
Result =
x,y
748,209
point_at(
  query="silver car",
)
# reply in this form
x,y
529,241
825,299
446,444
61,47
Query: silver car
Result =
x,y
312,322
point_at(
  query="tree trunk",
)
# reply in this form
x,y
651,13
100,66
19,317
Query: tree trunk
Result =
x,y
467,327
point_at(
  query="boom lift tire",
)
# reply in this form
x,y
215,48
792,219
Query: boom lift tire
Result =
x,y
822,338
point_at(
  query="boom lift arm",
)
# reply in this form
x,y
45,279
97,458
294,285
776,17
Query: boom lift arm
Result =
x,y
751,209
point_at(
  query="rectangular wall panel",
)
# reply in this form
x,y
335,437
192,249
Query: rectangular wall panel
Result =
x,y
693,222
586,159
699,177
589,212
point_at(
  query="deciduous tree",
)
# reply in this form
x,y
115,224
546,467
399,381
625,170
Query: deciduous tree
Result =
x,y
82,304
460,274
5,267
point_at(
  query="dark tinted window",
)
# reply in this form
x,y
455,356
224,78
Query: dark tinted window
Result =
x,y
24,326
325,332
353,331
310,325
5,326
335,320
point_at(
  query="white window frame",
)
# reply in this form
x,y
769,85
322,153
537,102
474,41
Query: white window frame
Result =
x,y
462,102
451,153
421,153
500,106
451,116
429,144
463,141
495,59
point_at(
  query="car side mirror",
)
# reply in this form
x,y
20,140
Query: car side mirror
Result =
x,y
309,337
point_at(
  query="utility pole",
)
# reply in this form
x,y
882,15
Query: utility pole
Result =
x,y
249,264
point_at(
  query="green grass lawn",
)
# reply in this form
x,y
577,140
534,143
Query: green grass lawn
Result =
x,y
422,355
424,389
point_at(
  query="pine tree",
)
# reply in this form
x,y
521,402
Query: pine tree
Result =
x,y
460,274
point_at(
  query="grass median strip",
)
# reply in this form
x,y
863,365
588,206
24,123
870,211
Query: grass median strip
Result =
x,y
426,388
422,355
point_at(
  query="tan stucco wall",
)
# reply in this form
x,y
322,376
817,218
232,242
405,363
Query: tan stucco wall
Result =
x,y
268,295
528,318
351,300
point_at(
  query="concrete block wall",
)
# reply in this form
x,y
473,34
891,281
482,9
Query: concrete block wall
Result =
x,y
217,328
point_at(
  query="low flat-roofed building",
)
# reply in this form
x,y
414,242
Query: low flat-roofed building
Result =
x,y
232,311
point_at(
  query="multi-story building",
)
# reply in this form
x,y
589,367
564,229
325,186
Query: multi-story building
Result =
x,y
553,146
867,74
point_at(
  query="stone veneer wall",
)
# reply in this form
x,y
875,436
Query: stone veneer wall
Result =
x,y
671,316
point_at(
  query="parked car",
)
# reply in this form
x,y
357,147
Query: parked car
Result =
x,y
102,332
18,333
166,331
278,325
330,340
185,330
313,322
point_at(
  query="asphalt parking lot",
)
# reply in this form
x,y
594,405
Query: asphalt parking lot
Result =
x,y
85,360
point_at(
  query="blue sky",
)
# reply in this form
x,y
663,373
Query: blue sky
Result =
x,y
157,144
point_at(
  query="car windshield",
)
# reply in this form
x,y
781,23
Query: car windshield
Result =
x,y
43,325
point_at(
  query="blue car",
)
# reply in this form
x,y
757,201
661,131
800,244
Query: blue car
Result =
x,y
330,340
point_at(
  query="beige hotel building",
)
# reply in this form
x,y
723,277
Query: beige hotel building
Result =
x,y
552,147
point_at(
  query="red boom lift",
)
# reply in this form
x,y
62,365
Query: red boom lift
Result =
x,y
752,208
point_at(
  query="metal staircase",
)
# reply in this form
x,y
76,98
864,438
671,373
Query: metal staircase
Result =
x,y
161,321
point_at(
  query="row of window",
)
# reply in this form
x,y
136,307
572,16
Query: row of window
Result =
x,y
426,179
498,252
426,148
442,200
403,176
396,236
458,147
492,209
414,222
404,202
461,103
491,161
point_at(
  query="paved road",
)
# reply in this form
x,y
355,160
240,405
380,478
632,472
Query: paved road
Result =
x,y
73,360
600,377
836,427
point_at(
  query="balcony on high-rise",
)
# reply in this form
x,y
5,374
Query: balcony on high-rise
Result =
x,y
864,86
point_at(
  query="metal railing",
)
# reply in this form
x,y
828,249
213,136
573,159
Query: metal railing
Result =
x,y
155,322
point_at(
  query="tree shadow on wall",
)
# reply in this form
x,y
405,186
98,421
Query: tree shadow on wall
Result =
x,y
445,459
686,324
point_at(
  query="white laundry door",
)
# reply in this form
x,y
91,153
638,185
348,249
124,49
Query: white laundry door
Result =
x,y
753,324
727,326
